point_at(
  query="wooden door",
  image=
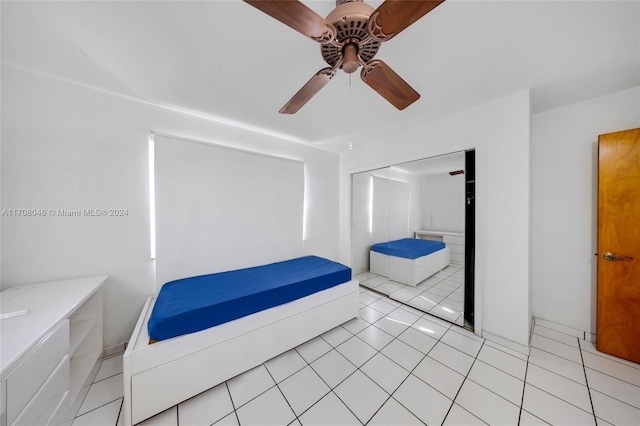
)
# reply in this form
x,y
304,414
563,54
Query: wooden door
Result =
x,y
618,316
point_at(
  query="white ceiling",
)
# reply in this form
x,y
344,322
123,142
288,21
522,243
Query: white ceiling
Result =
x,y
228,60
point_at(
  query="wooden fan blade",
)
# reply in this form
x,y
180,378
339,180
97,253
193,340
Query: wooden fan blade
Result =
x,y
381,78
298,16
393,16
308,91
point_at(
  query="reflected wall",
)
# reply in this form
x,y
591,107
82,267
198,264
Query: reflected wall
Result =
x,y
417,200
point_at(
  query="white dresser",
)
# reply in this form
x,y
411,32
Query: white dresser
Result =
x,y
50,339
453,240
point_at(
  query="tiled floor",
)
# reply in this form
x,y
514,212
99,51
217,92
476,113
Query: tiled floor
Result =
x,y
441,295
398,366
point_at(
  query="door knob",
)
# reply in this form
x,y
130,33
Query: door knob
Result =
x,y
612,256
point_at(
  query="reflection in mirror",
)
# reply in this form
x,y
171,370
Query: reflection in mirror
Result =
x,y
408,233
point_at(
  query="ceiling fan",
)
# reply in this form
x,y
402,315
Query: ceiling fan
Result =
x,y
350,37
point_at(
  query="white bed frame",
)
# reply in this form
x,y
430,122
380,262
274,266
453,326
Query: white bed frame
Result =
x,y
409,271
160,375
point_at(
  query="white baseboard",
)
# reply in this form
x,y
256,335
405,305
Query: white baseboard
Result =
x,y
580,334
114,350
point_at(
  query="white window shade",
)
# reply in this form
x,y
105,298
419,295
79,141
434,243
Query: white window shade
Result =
x,y
219,208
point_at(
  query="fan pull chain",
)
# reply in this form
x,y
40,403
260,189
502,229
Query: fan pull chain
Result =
x,y
350,118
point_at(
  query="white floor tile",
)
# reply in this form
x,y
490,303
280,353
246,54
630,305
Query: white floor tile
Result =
x,y
270,408
558,365
206,408
93,373
303,389
361,395
591,347
497,381
356,351
333,368
392,413
613,410
554,410
366,298
463,343
486,405
443,323
506,350
386,373
370,315
418,340
102,393
553,346
230,420
458,416
423,401
106,415
429,328
376,281
388,287
414,311
439,376
503,361
423,303
355,325
375,337
528,419
561,387
286,364
402,295
109,367
404,316
336,336
313,349
249,384
403,354
446,313
452,358
392,326
166,418
556,335
329,411
468,333
612,368
615,388
383,306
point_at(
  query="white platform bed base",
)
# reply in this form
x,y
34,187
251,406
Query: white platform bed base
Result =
x,y
409,271
160,375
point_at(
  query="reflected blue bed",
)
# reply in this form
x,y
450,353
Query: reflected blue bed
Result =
x,y
408,248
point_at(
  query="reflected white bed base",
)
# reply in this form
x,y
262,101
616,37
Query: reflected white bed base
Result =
x,y
160,375
409,271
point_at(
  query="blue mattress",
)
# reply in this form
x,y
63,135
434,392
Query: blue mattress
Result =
x,y
409,248
197,303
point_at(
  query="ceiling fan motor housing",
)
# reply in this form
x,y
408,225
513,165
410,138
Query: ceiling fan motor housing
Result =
x,y
350,19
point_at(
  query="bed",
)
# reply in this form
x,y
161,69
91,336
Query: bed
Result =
x,y
201,331
409,260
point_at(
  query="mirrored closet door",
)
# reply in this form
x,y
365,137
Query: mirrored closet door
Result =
x,y
408,234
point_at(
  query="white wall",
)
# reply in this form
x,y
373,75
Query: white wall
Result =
x,y
564,158
67,146
499,131
443,198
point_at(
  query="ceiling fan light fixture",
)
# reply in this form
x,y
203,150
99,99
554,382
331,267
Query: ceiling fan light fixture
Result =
x,y
350,58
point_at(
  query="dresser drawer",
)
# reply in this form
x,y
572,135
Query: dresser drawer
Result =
x,y
36,368
46,401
